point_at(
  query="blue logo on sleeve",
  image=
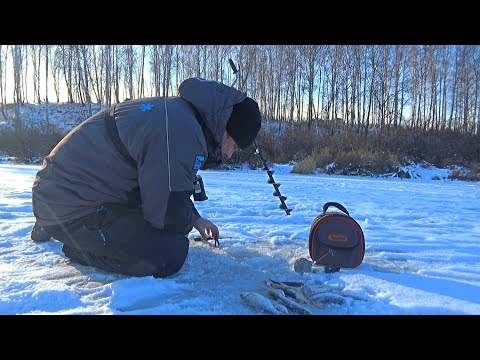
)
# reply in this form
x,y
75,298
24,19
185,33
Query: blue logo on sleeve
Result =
x,y
146,107
199,160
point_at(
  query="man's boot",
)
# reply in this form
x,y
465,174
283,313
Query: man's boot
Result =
x,y
39,234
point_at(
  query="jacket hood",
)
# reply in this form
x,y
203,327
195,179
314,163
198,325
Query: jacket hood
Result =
x,y
213,100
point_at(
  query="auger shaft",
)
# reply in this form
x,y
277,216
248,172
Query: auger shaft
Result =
x,y
271,180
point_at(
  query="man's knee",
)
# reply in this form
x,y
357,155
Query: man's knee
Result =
x,y
158,268
163,260
78,256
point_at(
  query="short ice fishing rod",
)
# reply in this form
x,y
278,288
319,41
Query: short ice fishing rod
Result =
x,y
270,180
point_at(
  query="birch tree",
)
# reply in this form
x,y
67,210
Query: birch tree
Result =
x,y
3,85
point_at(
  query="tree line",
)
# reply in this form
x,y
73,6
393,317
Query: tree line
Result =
x,y
421,87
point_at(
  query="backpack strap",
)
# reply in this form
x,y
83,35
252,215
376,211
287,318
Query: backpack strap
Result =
x,y
112,129
335,204
133,196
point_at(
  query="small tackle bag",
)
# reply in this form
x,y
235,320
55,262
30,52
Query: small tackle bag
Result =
x,y
336,240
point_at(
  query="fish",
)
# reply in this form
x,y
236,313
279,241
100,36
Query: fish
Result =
x,y
288,290
317,290
306,291
294,295
328,298
279,295
260,303
298,291
280,307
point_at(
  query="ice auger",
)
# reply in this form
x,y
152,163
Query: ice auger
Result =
x,y
270,180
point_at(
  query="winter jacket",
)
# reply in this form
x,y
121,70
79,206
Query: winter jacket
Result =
x,y
169,139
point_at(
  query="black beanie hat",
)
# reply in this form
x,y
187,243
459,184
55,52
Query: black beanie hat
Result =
x,y
245,122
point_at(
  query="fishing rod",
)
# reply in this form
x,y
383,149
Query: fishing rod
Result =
x,y
270,180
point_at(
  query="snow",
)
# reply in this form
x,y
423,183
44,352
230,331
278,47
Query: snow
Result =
x,y
63,116
422,249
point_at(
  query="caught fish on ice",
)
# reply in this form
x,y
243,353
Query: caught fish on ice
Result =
x,y
260,303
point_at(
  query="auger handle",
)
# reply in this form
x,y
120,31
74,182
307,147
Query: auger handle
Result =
x,y
232,65
235,71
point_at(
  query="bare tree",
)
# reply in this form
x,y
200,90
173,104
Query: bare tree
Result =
x,y
167,67
433,78
107,56
404,86
35,53
179,69
476,112
217,62
359,81
309,55
414,67
350,85
116,72
373,66
141,75
78,76
17,59
397,63
85,54
67,68
2,82
262,78
344,83
56,71
467,85
424,79
3,85
453,90
129,67
156,68
47,56
292,60
364,91
382,88
443,65
96,75
270,79
47,51
24,78
334,68
321,60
